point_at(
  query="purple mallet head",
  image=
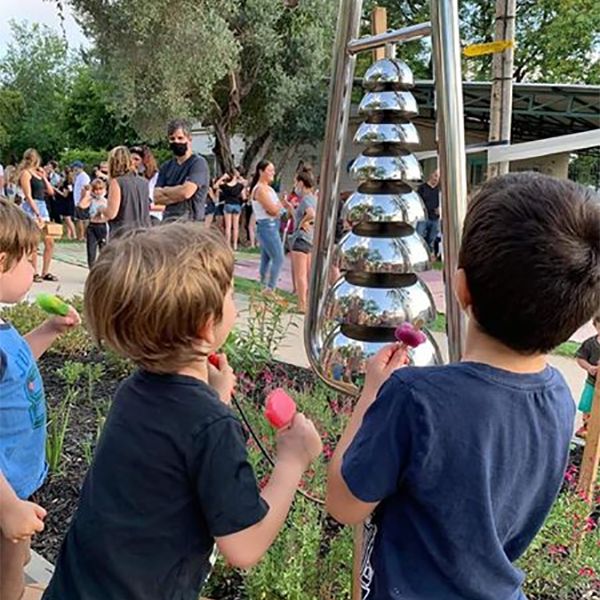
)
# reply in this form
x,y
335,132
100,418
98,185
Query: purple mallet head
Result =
x,y
410,335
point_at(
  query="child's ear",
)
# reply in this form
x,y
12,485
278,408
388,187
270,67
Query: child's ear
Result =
x,y
461,289
206,332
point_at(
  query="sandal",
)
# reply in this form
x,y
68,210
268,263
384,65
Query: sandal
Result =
x,y
49,277
37,278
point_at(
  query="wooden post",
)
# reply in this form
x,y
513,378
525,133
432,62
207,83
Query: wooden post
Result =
x,y
591,454
379,25
502,82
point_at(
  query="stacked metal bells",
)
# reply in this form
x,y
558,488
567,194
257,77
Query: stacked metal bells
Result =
x,y
379,258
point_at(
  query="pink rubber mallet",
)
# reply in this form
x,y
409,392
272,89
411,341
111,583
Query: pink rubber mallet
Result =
x,y
280,409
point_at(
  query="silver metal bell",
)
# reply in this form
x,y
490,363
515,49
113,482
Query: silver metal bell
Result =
x,y
344,360
388,73
381,307
402,168
405,206
403,134
392,255
398,104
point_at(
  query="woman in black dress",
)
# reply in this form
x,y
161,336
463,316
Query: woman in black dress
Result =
x,y
64,203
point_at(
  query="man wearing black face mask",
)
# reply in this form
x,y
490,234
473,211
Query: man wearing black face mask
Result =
x,y
182,182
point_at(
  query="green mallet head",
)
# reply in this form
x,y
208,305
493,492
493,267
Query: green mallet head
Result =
x,y
52,304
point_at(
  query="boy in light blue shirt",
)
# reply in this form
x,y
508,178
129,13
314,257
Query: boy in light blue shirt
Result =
x,y
22,408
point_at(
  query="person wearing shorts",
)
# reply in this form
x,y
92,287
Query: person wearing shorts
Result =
x,y
35,186
80,184
301,240
588,358
232,191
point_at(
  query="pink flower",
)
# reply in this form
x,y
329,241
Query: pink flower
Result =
x,y
557,550
590,524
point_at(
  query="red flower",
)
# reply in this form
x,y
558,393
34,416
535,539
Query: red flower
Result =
x,y
587,572
557,550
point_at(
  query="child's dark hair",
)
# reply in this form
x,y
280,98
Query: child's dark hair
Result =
x,y
531,255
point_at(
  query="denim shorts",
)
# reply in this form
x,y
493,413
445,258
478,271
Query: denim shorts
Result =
x,y
233,209
300,245
42,209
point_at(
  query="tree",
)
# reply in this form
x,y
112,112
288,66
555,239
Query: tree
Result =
x,y
35,68
238,65
90,119
11,111
556,40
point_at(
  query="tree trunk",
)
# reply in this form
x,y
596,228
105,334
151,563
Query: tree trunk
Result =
x,y
256,151
222,148
285,157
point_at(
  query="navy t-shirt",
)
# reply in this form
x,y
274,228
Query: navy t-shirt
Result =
x,y
170,474
466,461
172,173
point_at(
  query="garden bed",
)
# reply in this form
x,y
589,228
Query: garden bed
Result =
x,y
312,558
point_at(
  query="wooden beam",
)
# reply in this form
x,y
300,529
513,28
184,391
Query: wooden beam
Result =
x,y
379,25
591,453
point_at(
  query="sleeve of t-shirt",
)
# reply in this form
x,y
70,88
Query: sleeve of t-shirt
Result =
x,y
585,351
161,179
377,459
198,173
224,479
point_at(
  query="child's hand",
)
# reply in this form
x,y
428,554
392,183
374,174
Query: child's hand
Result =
x,y
62,324
381,366
300,442
222,379
21,519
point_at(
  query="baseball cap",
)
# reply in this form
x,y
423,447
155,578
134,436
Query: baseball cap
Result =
x,y
77,164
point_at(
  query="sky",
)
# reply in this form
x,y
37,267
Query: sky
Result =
x,y
40,11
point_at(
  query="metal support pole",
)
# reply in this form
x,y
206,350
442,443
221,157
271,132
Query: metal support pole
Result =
x,y
451,152
406,34
338,114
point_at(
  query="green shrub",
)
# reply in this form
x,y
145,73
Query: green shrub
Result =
x,y
87,156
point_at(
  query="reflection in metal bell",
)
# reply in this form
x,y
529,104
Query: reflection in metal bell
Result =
x,y
402,104
405,134
388,72
403,168
395,255
402,207
343,360
389,307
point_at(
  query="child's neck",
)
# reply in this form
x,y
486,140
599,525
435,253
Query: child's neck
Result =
x,y
197,370
481,348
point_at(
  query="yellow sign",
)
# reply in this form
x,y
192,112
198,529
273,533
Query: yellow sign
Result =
x,y
489,48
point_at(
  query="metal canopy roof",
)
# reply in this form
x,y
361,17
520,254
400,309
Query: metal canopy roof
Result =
x,y
540,110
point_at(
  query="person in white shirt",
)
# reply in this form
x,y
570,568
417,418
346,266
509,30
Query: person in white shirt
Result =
x,y
82,179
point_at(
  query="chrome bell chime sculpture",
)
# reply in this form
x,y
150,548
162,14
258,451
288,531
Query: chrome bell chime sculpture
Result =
x,y
380,257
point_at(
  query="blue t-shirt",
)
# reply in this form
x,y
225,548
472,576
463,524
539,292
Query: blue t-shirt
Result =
x,y
22,415
466,461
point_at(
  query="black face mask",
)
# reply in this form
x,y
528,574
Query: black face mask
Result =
x,y
178,148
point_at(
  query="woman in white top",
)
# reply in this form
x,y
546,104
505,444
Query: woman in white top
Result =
x,y
267,210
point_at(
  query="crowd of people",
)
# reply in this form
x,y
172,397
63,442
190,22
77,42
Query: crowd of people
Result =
x,y
130,190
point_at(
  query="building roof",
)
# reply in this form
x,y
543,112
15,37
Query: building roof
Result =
x,y
540,110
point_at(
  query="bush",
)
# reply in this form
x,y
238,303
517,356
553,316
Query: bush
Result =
x,y
87,156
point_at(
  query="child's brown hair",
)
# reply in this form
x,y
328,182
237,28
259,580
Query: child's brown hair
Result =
x,y
531,254
151,290
19,235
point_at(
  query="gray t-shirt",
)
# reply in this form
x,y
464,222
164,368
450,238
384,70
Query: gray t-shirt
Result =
x,y
134,210
300,234
194,169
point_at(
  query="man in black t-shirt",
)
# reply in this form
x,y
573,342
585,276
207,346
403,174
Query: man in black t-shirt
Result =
x,y
430,193
182,183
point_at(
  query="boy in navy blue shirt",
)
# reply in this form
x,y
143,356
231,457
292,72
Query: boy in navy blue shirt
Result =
x,y
456,467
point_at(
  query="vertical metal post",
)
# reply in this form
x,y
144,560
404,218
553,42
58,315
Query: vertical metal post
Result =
x,y
452,156
340,96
